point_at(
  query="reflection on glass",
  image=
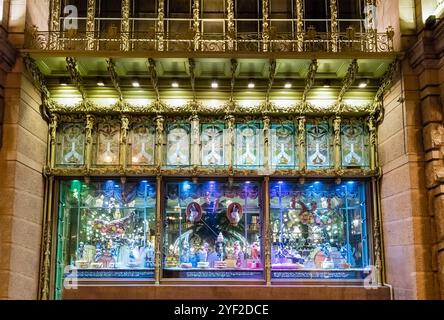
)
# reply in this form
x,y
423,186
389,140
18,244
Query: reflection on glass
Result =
x,y
104,227
143,140
108,140
213,228
282,145
212,138
178,148
248,140
71,143
318,145
318,226
353,139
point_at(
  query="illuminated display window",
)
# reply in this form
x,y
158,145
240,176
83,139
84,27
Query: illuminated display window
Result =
x,y
212,230
106,229
319,226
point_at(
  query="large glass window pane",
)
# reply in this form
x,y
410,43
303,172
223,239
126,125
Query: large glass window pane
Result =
x,y
213,142
142,144
108,142
248,145
318,145
283,153
354,141
71,144
178,145
319,226
212,230
105,230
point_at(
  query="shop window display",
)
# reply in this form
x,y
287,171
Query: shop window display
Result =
x,y
319,229
212,230
354,145
178,145
283,153
71,144
106,229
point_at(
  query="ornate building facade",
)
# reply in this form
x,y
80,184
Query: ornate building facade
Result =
x,y
263,148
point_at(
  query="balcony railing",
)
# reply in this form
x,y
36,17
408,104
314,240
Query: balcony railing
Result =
x,y
310,41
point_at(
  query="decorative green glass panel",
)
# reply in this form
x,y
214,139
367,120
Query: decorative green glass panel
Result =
x,y
178,145
106,230
318,145
283,153
354,145
108,143
248,151
319,226
212,139
71,144
142,144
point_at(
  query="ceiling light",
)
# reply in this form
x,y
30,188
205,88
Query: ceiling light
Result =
x,y
327,84
63,82
100,82
363,84
214,85
136,83
287,85
251,84
175,84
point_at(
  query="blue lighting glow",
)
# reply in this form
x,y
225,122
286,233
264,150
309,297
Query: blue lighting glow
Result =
x,y
280,182
350,182
144,181
186,185
247,182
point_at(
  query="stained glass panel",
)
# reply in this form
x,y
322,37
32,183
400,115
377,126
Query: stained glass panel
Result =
x,y
318,145
108,143
142,144
354,149
178,145
212,139
71,144
248,145
283,145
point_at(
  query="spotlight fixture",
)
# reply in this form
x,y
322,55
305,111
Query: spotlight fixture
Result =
x,y
175,84
288,85
63,82
327,84
135,83
100,82
251,84
214,84
363,84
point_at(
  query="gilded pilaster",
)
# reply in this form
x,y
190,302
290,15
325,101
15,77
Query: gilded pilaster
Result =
x,y
125,25
89,133
337,142
371,27
196,24
195,140
158,258
124,130
334,25
160,133
230,25
267,231
160,31
90,24
230,140
301,143
54,24
372,142
53,124
300,25
266,122
265,26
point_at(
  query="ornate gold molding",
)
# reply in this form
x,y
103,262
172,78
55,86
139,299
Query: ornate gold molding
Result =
x,y
160,31
90,24
231,31
348,81
310,79
265,26
111,66
153,77
196,24
334,25
125,26
300,25
54,24
76,78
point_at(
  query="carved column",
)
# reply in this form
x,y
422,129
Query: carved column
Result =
x,y
195,140
160,133
230,25
334,25
125,26
160,30
265,26
54,24
229,147
52,139
301,143
266,121
196,24
372,142
337,143
124,129
158,258
89,132
90,24
300,25
266,229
